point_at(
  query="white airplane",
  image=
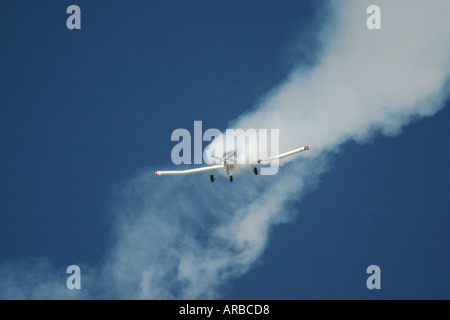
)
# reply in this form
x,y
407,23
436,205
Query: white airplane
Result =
x,y
229,164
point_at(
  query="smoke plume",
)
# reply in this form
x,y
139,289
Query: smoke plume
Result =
x,y
180,237
187,240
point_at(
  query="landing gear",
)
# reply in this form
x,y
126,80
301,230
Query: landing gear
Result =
x,y
212,178
255,171
231,178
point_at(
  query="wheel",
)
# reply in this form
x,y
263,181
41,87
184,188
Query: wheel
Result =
x,y
212,178
231,178
255,171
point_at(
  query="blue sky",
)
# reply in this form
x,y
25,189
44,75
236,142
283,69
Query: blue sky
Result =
x,y
84,111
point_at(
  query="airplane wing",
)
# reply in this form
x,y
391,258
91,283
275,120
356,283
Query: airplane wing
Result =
x,y
190,171
286,154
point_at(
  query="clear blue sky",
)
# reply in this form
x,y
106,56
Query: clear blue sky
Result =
x,y
82,111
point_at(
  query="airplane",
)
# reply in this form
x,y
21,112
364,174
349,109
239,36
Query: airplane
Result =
x,y
229,164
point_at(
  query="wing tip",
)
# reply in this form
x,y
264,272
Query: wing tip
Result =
x,y
306,148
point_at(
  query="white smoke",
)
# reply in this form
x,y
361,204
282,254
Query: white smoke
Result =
x,y
187,239
181,237
367,81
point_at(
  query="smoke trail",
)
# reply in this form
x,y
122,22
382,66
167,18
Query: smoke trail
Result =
x,y
367,81
183,239
177,237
